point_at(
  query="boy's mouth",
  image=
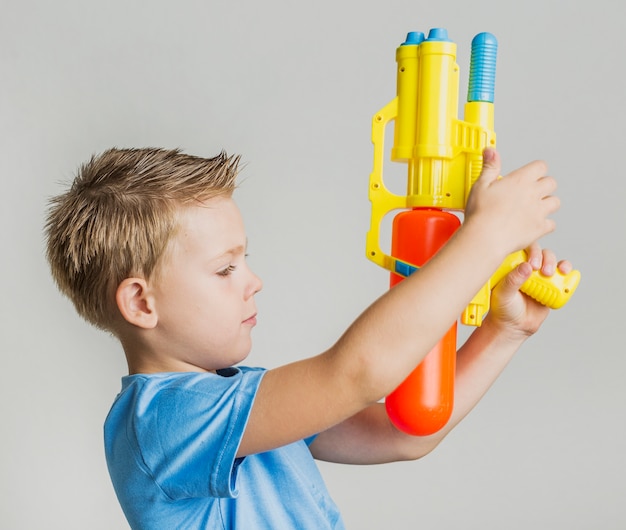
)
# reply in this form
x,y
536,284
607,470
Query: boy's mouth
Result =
x,y
251,320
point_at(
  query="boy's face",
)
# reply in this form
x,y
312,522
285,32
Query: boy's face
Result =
x,y
204,292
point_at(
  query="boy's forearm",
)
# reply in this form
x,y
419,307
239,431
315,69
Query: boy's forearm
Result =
x,y
396,332
480,361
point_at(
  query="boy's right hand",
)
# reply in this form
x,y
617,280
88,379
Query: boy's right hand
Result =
x,y
513,210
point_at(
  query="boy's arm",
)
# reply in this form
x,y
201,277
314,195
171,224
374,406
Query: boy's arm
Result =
x,y
397,331
370,438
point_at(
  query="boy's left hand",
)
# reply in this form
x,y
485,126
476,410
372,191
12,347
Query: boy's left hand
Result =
x,y
511,310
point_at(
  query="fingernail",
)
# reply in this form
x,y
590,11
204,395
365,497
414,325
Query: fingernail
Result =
x,y
523,269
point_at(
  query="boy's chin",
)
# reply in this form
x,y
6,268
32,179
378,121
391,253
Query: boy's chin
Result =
x,y
235,359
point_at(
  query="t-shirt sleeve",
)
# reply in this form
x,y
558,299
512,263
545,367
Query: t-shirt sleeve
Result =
x,y
194,430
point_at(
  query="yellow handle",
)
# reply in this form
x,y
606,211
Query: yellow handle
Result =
x,y
552,291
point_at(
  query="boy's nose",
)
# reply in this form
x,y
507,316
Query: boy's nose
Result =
x,y
256,284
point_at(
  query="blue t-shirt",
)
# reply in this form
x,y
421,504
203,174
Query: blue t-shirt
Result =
x,y
171,441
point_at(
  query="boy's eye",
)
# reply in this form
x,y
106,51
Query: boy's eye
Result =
x,y
226,271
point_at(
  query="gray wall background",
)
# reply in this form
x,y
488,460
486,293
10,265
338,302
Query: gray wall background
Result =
x,y
292,86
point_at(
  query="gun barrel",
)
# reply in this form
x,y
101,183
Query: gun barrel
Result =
x,y
482,77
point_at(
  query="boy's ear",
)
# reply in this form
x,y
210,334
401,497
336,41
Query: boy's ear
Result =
x,y
135,303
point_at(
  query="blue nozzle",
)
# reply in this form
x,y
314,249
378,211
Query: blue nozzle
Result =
x,y
417,37
413,38
438,34
482,77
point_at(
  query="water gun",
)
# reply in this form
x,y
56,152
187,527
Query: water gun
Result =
x,y
443,155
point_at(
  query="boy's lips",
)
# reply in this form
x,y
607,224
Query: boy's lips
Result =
x,y
251,320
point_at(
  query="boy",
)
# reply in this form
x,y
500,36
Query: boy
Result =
x,y
150,246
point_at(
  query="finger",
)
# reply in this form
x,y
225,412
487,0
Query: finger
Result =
x,y
512,282
565,266
491,166
551,203
548,265
535,257
548,185
533,170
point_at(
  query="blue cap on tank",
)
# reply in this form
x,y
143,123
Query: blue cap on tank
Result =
x,y
413,38
438,34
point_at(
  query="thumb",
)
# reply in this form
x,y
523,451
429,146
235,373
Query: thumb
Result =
x,y
512,282
491,166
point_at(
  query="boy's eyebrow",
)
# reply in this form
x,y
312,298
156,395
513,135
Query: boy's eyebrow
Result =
x,y
239,249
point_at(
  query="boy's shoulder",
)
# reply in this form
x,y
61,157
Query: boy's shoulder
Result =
x,y
203,382
172,406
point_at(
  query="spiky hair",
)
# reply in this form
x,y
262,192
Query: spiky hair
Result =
x,y
117,217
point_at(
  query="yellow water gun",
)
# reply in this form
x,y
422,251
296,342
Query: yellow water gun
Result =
x,y
444,159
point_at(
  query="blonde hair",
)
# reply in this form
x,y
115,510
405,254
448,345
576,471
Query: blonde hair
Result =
x,y
116,219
